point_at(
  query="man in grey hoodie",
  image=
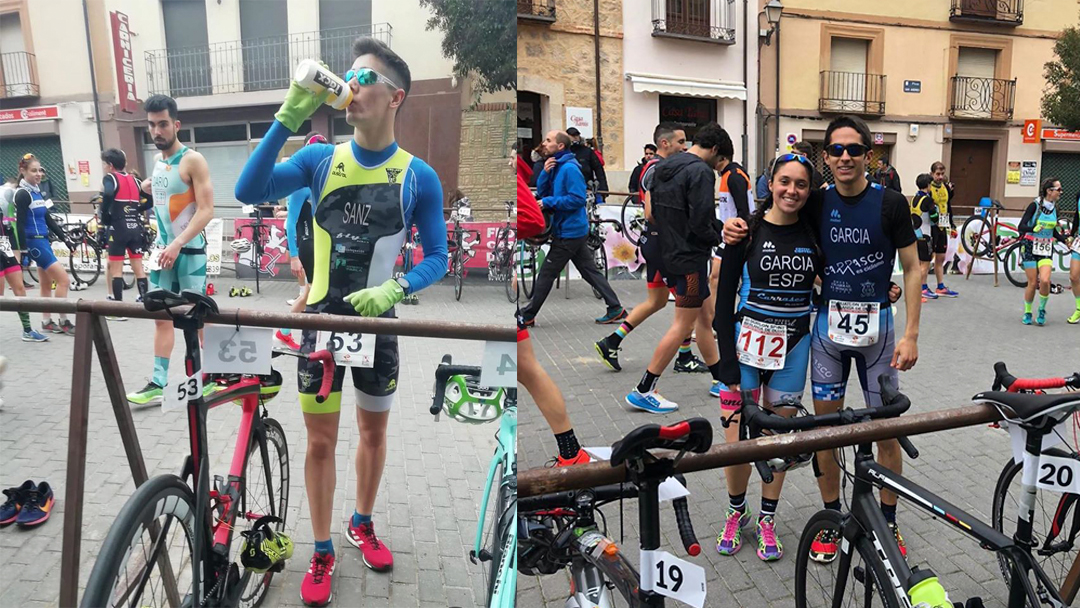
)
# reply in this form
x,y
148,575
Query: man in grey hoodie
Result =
x,y
683,205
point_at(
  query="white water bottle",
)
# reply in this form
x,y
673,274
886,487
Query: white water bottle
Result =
x,y
311,75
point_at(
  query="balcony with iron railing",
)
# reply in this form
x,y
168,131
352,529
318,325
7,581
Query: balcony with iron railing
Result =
x,y
852,93
18,75
536,10
999,12
982,98
705,20
255,64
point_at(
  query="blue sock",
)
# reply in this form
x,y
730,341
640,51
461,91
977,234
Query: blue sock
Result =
x,y
358,519
161,371
326,547
925,288
941,286
285,331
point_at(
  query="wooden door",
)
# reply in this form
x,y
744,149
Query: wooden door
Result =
x,y
969,170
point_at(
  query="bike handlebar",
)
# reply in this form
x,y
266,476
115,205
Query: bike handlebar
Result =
x,y
894,403
682,520
1012,384
442,374
327,359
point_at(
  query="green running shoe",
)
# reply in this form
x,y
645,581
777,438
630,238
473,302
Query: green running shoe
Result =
x,y
151,394
1075,318
1027,318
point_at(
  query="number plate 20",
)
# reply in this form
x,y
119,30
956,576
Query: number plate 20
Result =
x,y
1058,474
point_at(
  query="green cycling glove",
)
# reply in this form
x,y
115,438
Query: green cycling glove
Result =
x,y
374,301
298,106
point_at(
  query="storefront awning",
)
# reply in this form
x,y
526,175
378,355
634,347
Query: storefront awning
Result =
x,y
691,87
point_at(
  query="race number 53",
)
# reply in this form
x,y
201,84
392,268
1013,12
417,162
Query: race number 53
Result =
x,y
350,350
177,395
232,350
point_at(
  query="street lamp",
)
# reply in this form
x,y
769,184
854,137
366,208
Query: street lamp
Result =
x,y
773,10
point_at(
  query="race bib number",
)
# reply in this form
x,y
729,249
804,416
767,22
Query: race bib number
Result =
x,y
663,573
1043,247
229,350
943,221
5,247
179,393
350,350
761,345
854,323
1058,474
499,365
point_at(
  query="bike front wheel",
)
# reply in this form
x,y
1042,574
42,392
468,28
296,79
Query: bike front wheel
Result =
x,y
1014,267
1053,511
85,263
459,273
526,269
633,220
148,558
856,579
975,237
499,518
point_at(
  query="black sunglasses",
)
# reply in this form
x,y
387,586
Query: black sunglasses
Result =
x,y
853,150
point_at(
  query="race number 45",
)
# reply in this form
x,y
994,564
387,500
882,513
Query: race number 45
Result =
x,y
663,573
854,323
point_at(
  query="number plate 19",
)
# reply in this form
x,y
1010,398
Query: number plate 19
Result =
x,y
1058,474
663,573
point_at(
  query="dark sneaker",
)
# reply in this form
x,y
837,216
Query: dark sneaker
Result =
x,y
612,316
51,326
376,554
150,394
691,365
610,356
317,587
16,498
38,506
67,327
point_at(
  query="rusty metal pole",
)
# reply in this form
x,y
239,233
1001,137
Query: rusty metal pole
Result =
x,y
76,460
543,480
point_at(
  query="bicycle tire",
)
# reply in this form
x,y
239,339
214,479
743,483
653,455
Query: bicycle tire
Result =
x,y
600,257
1057,571
30,270
864,551
275,436
1014,270
628,220
459,271
975,236
87,255
164,495
498,520
527,269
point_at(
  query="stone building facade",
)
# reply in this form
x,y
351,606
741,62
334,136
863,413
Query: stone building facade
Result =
x,y
484,172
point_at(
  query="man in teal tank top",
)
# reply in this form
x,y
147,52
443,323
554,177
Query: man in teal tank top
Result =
x,y
183,206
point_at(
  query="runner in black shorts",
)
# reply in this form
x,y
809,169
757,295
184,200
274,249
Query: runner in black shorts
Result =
x,y
682,205
924,216
122,211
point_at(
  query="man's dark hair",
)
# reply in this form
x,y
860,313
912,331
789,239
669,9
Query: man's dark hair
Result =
x,y
573,131
712,136
115,158
650,147
399,70
665,130
562,138
924,180
1046,185
161,103
851,122
803,147
937,165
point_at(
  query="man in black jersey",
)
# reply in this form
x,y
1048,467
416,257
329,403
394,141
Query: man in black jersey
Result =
x,y
122,211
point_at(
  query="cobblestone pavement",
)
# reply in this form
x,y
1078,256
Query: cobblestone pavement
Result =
x,y
426,509
959,341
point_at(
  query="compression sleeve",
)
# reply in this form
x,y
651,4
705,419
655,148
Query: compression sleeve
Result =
x,y
108,198
22,215
427,214
1023,227
295,203
724,322
264,179
54,227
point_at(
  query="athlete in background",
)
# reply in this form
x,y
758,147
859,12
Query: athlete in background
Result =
x,y
122,211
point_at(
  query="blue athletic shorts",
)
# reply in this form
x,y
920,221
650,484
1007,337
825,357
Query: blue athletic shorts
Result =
x,y
831,362
782,385
40,251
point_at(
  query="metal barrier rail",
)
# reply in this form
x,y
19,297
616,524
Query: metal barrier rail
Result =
x,y
542,480
94,331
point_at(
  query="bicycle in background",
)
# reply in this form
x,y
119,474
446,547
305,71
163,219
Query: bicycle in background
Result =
x,y
408,260
458,393
461,249
561,530
172,542
501,258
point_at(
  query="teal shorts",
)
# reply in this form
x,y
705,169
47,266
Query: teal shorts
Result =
x,y
188,273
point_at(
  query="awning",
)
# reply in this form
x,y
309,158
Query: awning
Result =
x,y
692,87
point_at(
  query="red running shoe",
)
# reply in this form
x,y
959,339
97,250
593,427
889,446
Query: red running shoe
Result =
x,y
582,457
376,554
286,340
316,589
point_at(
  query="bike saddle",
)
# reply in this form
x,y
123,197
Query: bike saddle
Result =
x,y
1026,406
693,435
162,299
